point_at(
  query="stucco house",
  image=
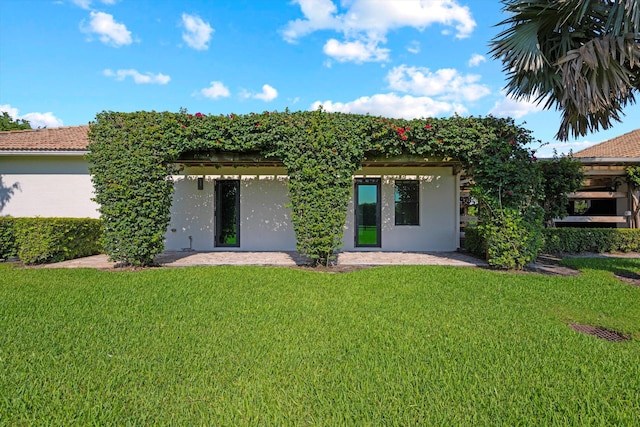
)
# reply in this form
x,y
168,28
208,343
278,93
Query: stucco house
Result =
x,y
43,173
606,199
233,202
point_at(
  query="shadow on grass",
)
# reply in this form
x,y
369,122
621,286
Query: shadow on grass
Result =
x,y
625,269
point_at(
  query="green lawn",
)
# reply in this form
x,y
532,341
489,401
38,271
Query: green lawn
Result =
x,y
367,234
414,345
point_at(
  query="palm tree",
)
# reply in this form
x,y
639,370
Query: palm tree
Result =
x,y
580,56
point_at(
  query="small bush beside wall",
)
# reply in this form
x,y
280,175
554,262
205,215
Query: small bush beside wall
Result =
x,y
8,248
577,240
508,241
43,240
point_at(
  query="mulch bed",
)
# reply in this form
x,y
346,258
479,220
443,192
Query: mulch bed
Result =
x,y
628,277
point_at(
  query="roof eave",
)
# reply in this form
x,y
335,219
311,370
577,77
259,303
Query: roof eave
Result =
x,y
43,152
608,159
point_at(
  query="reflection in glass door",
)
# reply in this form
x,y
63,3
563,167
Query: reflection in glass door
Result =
x,y
227,213
367,201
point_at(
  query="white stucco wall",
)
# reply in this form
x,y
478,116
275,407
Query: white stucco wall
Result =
x,y
47,186
266,223
60,186
439,228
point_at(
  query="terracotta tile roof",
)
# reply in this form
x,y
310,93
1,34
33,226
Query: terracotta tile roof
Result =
x,y
68,138
623,146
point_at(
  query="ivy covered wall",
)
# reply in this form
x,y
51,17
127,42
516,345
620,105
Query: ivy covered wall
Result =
x,y
132,159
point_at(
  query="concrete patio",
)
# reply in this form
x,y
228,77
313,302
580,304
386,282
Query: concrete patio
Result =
x,y
186,259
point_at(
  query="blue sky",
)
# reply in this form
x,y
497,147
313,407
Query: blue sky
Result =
x,y
63,61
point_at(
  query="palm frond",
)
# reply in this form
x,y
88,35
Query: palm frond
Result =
x,y
579,56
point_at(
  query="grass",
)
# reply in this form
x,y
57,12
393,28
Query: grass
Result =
x,y
367,234
406,345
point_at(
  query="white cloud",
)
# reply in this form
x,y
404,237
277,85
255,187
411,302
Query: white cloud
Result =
x,y
197,32
414,47
86,4
37,120
379,17
446,83
268,93
319,15
12,111
392,105
367,22
509,107
356,51
215,90
476,60
41,120
138,78
108,30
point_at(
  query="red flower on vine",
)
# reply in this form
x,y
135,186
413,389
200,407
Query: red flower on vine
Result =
x,y
427,127
198,114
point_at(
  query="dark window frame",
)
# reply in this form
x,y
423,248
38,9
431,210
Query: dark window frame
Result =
x,y
401,221
217,213
378,183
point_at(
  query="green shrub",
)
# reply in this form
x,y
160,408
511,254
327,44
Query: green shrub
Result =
x,y
577,240
474,243
511,240
8,247
43,240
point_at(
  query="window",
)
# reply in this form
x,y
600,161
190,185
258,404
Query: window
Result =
x,y
407,204
227,213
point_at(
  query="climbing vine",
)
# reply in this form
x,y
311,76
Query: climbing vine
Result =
x,y
132,157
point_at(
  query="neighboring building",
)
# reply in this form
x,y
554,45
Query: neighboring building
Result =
x,y
43,172
606,199
234,202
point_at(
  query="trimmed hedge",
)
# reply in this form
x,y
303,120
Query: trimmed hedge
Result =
x,y
474,243
577,240
570,240
8,248
44,240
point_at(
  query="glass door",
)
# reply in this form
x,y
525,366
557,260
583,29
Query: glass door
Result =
x,y
367,215
227,213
